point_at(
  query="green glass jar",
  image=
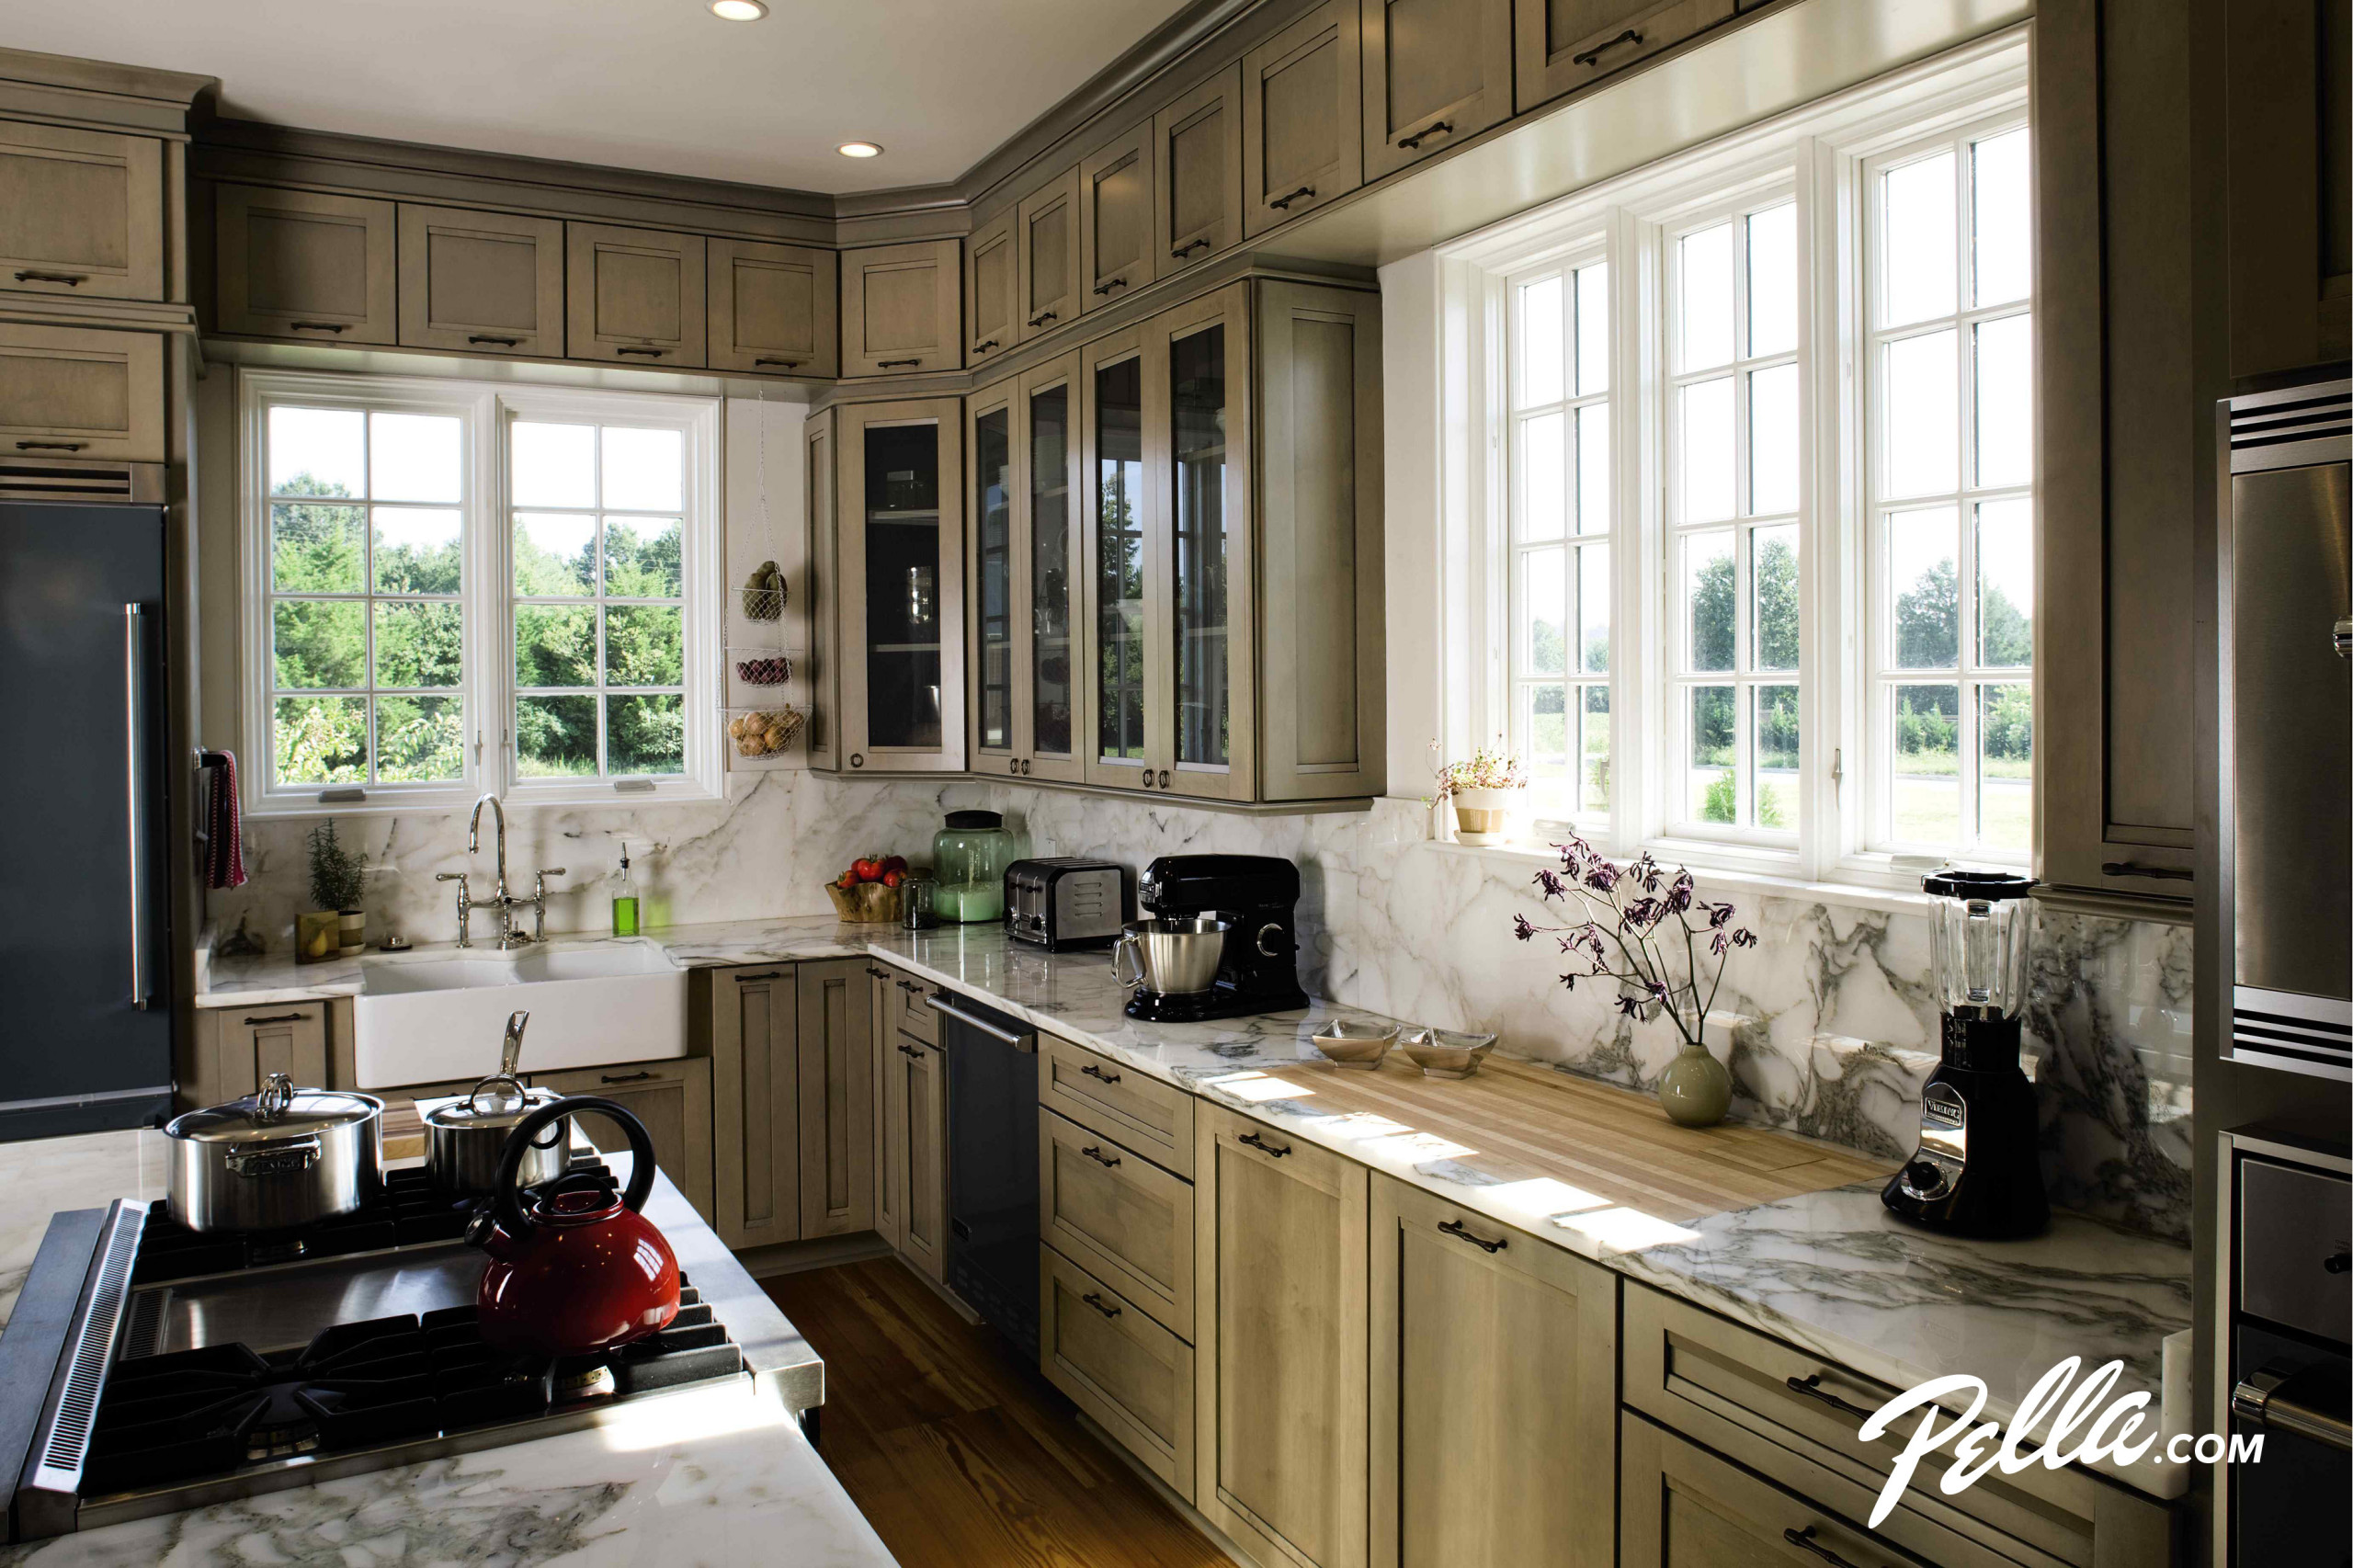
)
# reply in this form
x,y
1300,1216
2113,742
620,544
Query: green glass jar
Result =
x,y
969,857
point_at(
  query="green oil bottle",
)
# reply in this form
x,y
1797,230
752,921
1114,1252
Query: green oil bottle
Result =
x,y
625,898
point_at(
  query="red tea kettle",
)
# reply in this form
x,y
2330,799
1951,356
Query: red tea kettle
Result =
x,y
573,1270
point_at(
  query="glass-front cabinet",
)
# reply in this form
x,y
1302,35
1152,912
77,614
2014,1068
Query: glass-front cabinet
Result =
x,y
1021,436
1163,476
894,567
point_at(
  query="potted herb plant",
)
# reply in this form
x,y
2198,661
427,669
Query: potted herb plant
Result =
x,y
1483,791
337,927
1635,916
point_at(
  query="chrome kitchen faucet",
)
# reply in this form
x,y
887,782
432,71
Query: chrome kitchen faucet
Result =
x,y
501,899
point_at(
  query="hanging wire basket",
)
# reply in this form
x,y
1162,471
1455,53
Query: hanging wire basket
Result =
x,y
763,667
766,732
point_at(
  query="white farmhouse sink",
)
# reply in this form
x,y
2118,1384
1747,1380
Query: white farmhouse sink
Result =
x,y
424,1018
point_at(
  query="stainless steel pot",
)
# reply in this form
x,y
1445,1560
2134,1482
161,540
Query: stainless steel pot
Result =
x,y
1171,957
465,1138
275,1159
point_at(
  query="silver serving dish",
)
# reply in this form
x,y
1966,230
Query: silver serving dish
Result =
x,y
1355,1042
1446,1053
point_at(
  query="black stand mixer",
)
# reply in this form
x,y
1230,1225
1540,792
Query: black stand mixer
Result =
x,y
1242,906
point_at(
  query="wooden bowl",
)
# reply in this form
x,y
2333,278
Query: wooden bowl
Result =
x,y
867,904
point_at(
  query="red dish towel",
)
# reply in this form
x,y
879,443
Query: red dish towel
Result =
x,y
224,858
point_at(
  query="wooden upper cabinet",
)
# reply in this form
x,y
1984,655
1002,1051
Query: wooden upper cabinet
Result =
x,y
1115,218
992,289
481,281
77,392
636,295
773,308
1436,73
297,264
898,308
1196,173
1303,123
2290,185
1564,44
1046,224
80,212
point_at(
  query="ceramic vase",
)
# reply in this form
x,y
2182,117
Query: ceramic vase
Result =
x,y
1695,1088
1483,816
351,925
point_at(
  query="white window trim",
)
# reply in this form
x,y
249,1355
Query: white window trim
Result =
x,y
488,688
1819,151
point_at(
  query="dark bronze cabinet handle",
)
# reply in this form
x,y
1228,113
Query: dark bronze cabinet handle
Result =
x,y
280,1018
787,364
320,326
640,352
897,364
1092,1300
1811,1387
71,279
1190,247
1092,1071
1282,203
623,1077
764,974
1457,1228
1805,1539
984,344
1277,1150
1435,127
1101,289
1108,1162
910,1050
2142,869
1593,56
485,337
1041,318
51,445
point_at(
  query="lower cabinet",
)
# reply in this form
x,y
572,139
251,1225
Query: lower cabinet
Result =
x,y
754,1024
1127,1371
1281,1344
671,1098
835,1118
914,1151
1493,1395
883,1061
238,1048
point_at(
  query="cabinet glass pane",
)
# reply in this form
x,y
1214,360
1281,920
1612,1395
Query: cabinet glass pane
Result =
x,y
1197,412
1119,564
901,543
993,460
1050,582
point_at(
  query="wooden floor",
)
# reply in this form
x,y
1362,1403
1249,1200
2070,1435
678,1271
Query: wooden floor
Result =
x,y
961,1454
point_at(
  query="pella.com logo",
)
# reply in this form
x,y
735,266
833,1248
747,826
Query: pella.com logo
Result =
x,y
2110,1429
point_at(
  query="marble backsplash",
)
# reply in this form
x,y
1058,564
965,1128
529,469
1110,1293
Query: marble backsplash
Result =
x,y
1835,1029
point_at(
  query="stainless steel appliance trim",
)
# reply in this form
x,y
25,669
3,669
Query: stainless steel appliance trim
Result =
x,y
2292,1032
136,773
70,481
1025,1041
99,1098
45,1504
2257,1401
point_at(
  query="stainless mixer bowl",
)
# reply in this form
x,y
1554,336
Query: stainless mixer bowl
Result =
x,y
1171,957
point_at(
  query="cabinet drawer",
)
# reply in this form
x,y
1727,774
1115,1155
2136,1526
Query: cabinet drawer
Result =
x,y
1123,1217
904,1006
1682,1507
1128,1372
1151,1116
1736,1390
256,1041
73,392
80,212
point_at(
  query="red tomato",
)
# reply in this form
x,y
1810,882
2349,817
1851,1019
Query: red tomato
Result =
x,y
894,863
866,870
894,876
847,880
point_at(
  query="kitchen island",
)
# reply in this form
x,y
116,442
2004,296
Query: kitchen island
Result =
x,y
716,1475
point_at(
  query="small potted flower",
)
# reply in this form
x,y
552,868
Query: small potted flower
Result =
x,y
1483,790
337,927
1635,916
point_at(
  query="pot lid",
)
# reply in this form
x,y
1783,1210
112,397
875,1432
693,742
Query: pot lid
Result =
x,y
497,1102
279,1110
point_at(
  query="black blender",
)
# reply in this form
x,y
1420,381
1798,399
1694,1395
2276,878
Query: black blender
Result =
x,y
1978,1171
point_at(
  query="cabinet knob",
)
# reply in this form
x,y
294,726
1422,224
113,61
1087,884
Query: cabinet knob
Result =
x,y
857,759
1025,767
1163,778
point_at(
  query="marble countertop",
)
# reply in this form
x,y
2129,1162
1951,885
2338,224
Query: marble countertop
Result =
x,y
1830,1271
717,1476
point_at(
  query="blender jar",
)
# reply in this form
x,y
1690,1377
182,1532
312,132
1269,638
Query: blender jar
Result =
x,y
969,857
1980,927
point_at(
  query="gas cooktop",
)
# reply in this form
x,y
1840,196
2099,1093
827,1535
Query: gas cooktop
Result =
x,y
201,1368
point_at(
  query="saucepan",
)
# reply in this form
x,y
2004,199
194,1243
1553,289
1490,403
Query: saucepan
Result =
x,y
276,1159
465,1139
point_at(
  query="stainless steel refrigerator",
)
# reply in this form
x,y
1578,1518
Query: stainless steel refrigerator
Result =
x,y
85,991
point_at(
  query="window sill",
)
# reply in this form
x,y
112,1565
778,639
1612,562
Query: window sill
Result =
x,y
1715,879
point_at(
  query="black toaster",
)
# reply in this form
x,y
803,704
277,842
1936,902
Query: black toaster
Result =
x,y
1067,902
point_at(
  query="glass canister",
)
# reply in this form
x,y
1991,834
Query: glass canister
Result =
x,y
969,857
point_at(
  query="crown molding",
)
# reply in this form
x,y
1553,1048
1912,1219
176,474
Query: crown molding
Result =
x,y
95,92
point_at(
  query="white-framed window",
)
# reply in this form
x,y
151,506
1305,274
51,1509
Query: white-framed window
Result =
x,y
452,589
1748,513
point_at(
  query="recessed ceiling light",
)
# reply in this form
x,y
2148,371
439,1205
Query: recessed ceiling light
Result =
x,y
738,10
860,150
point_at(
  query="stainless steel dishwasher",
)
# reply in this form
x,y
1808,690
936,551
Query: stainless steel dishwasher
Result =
x,y
992,1062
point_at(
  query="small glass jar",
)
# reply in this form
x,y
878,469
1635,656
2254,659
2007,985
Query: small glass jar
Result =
x,y
917,912
969,857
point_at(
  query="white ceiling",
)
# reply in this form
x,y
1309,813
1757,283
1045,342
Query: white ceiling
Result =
x,y
656,84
